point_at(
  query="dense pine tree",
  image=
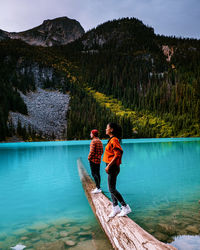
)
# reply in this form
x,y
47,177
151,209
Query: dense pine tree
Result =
x,y
122,59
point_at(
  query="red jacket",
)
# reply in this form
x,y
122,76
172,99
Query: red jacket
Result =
x,y
96,150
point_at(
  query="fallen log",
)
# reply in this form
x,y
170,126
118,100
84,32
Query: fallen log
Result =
x,y
122,232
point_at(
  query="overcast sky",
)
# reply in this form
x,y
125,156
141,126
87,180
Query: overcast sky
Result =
x,y
168,17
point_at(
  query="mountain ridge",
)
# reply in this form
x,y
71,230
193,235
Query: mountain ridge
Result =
x,y
129,66
58,31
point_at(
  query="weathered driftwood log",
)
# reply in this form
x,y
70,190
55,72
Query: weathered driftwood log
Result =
x,y
122,232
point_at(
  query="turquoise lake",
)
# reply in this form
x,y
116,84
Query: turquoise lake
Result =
x,y
41,195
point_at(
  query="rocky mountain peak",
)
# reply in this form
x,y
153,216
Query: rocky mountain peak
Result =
x,y
58,31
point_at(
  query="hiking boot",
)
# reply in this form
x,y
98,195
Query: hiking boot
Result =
x,y
115,210
125,210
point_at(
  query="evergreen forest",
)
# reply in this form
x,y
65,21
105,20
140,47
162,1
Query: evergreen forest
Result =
x,y
117,72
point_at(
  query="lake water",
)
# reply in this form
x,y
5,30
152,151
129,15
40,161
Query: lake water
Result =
x,y
42,199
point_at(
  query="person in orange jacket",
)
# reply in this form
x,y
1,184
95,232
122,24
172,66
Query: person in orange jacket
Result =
x,y
112,157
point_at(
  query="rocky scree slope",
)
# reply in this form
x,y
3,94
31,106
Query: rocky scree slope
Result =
x,y
47,112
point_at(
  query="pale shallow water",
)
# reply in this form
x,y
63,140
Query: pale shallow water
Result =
x,y
40,186
187,242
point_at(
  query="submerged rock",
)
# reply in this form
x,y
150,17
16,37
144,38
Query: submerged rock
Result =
x,y
168,229
192,229
70,243
86,227
63,234
74,229
84,234
24,238
20,232
61,221
161,236
39,226
46,236
102,244
88,244
57,245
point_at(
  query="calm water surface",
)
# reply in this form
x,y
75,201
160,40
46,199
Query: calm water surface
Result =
x,y
40,191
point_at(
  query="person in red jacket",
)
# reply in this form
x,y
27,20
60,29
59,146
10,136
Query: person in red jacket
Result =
x,y
112,157
94,157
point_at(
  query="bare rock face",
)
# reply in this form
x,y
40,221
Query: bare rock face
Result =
x,y
46,113
168,52
59,31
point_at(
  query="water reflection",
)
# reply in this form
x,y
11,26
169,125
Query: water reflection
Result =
x,y
187,242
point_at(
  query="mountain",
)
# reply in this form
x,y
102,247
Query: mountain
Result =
x,y
154,78
117,33
57,31
119,71
122,35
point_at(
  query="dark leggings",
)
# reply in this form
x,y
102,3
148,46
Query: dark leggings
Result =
x,y
112,178
95,169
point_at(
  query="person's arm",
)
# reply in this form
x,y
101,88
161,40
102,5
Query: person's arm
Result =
x,y
92,150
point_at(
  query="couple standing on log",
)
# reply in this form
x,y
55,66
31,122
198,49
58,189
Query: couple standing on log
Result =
x,y
112,158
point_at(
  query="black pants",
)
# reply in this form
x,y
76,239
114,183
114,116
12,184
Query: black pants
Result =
x,y
95,169
112,179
